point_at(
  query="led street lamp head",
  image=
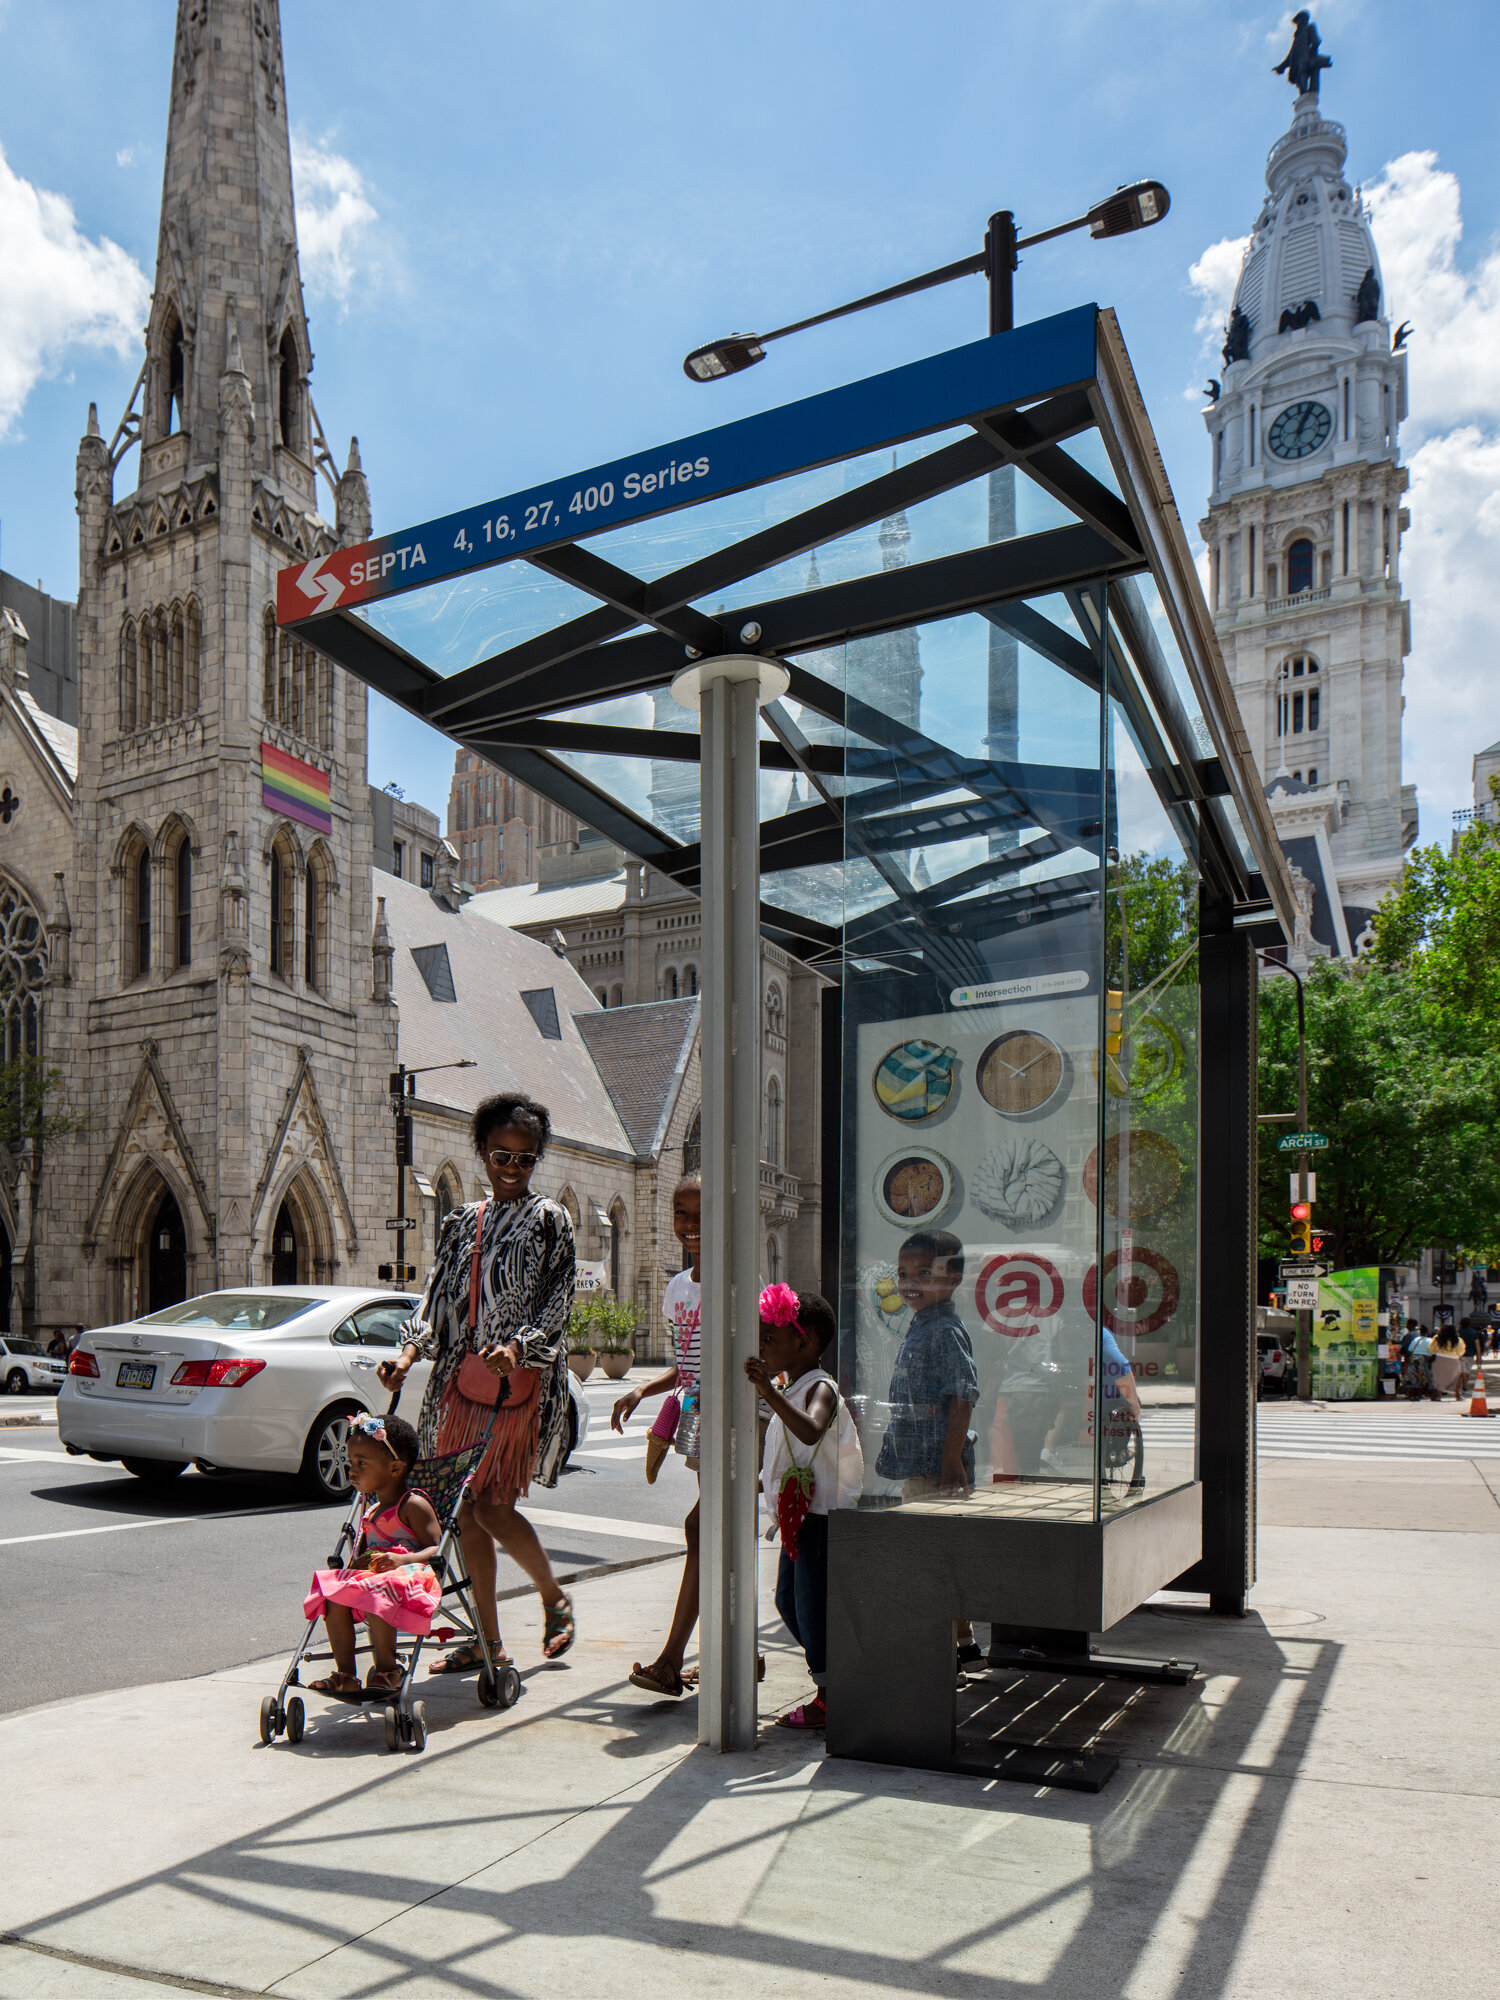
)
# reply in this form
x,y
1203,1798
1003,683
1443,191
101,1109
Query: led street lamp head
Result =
x,y
1134,207
724,357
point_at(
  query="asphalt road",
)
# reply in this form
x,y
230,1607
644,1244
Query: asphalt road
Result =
x,y
109,1583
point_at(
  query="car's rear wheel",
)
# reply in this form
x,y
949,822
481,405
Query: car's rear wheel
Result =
x,y
325,1462
155,1471
15,1382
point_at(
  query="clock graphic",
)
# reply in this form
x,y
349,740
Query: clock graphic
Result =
x,y
1020,1072
1299,431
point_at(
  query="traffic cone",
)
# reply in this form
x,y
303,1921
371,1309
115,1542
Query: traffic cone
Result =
x,y
1478,1407
1005,1467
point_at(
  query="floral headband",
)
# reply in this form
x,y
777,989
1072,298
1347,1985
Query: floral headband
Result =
x,y
370,1427
779,1306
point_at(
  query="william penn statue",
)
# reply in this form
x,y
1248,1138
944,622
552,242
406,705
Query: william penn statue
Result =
x,y
1304,60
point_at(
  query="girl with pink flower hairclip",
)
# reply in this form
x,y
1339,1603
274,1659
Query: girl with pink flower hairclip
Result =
x,y
795,1330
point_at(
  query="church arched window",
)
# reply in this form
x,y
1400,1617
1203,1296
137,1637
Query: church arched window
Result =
x,y
282,939
23,969
160,668
127,677
1299,567
1299,700
172,377
135,912
268,645
192,656
290,399
177,643
182,912
317,883
775,1010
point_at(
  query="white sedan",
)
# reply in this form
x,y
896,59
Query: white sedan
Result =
x,y
262,1379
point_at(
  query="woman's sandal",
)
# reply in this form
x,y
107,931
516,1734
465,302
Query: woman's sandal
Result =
x,y
557,1626
654,1680
466,1659
335,1684
690,1674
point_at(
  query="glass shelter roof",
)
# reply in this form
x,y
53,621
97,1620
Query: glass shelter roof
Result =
x,y
875,539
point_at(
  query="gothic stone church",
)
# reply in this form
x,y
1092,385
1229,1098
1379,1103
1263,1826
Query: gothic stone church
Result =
x,y
197,958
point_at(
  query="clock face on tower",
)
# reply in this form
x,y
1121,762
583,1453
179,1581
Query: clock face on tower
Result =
x,y
1299,431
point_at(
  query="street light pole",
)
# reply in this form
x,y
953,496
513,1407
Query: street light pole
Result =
x,y
1127,209
403,1095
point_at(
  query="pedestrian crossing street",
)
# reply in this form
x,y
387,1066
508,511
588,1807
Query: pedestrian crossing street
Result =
x,y
1346,1431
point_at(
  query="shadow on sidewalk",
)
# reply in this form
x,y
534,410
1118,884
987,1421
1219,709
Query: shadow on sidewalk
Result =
x,y
826,1870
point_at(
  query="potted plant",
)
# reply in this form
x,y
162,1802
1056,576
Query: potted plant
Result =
x,y
615,1323
580,1337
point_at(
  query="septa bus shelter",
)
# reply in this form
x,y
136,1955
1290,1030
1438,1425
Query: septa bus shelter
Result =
x,y
967,746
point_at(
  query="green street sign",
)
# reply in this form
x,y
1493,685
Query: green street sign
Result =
x,y
1303,1142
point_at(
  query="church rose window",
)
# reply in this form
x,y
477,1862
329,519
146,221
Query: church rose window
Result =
x,y
23,968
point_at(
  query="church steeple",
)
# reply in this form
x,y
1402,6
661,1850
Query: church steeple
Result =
x,y
227,253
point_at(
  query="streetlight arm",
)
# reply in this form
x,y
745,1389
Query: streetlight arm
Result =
x,y
966,267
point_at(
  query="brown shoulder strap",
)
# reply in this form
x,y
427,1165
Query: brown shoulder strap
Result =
x,y
474,1267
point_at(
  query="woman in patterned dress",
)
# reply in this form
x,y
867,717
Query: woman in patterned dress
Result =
x,y
525,1294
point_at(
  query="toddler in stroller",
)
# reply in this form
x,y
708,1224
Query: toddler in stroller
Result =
x,y
397,1560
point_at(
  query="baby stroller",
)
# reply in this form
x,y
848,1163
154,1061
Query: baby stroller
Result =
x,y
445,1482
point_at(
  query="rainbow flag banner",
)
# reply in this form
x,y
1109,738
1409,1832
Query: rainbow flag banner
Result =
x,y
299,790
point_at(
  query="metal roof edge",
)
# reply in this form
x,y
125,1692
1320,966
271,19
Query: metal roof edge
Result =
x,y
1144,471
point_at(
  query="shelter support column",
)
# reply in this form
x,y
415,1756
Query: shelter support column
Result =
x,y
727,693
1227,1359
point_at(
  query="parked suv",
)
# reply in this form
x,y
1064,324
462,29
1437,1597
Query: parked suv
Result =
x,y
26,1364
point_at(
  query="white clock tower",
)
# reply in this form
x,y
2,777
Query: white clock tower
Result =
x,y
1304,531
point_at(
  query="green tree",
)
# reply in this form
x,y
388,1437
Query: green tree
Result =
x,y
1442,926
1160,916
1407,1088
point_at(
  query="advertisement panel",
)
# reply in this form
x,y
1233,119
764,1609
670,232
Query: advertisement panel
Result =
x,y
1344,1336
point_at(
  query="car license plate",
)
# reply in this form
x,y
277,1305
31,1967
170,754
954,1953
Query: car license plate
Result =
x,y
135,1375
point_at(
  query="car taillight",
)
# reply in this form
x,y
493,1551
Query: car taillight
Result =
x,y
80,1363
215,1374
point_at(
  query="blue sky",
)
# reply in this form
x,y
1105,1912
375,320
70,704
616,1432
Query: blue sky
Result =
x,y
517,219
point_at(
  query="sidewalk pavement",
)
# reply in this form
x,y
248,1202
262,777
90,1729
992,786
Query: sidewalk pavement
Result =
x,y
1313,1817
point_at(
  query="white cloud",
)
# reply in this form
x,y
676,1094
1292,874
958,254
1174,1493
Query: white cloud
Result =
x,y
125,157
1452,551
334,212
60,290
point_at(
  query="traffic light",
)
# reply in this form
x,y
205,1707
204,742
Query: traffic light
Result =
x,y
1302,1228
1114,1020
396,1274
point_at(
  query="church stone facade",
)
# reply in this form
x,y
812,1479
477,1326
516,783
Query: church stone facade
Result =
x,y
1304,532
217,1024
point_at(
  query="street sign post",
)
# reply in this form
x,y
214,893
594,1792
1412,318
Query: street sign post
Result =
x,y
1302,1295
1302,1142
1301,1267
401,1222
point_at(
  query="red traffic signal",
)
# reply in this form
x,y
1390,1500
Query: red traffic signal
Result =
x,y
1301,1210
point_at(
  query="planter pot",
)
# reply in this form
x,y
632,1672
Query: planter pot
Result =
x,y
616,1366
582,1365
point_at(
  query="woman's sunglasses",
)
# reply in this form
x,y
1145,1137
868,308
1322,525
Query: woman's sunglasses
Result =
x,y
500,1158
